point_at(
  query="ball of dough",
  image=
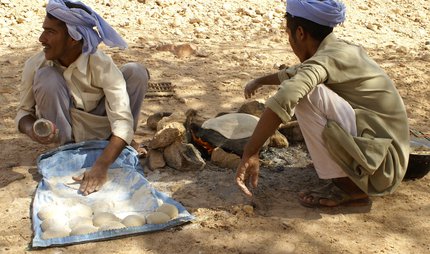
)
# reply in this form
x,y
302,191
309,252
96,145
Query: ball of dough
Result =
x,y
50,211
59,221
81,210
102,218
110,225
141,195
84,229
157,218
169,209
134,220
102,206
80,221
55,233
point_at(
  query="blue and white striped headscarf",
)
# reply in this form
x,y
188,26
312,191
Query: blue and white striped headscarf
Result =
x,y
324,12
81,24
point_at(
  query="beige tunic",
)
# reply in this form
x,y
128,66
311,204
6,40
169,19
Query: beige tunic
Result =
x,y
89,79
377,158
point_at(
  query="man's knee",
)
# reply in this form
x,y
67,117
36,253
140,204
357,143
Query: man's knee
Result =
x,y
135,70
312,101
47,79
317,94
302,106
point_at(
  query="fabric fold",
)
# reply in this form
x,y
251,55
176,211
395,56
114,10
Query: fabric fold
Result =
x,y
327,13
81,25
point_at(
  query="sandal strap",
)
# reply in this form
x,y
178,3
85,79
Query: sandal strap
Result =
x,y
330,192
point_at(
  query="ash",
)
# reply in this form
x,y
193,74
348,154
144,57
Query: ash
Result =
x,y
277,159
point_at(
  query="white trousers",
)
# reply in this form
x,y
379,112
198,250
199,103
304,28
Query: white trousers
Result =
x,y
312,113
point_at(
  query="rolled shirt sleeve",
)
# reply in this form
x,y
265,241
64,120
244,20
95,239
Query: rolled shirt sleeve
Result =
x,y
108,77
297,82
27,104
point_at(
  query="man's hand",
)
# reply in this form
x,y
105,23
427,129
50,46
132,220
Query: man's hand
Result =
x,y
92,180
25,126
250,88
247,172
249,167
52,138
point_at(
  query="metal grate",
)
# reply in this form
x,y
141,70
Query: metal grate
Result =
x,y
160,89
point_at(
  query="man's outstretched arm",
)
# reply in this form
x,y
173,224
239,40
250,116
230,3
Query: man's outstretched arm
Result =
x,y
93,180
252,86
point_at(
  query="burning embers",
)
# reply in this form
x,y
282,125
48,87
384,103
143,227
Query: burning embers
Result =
x,y
208,148
183,142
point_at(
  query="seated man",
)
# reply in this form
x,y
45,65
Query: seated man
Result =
x,y
352,117
79,88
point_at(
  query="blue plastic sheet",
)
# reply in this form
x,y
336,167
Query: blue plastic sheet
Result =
x,y
126,184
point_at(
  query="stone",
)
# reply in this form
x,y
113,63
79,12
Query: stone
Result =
x,y
167,135
278,140
173,156
192,159
291,131
8,176
184,50
254,108
248,209
156,159
154,119
171,119
165,47
425,57
183,157
177,21
224,159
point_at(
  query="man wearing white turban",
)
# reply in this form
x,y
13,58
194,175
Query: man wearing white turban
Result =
x,y
352,117
79,88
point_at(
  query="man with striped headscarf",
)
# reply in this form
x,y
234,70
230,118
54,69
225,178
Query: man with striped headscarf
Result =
x,y
79,88
351,115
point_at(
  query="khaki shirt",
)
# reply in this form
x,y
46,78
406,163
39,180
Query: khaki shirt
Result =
x,y
89,79
377,158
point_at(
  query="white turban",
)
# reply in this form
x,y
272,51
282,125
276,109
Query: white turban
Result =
x,y
324,12
80,25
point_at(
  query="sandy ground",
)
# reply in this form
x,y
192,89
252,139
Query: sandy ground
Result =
x,y
235,41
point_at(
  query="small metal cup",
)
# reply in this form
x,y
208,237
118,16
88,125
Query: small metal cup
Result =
x,y
43,128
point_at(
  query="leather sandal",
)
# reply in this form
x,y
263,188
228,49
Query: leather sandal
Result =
x,y
333,193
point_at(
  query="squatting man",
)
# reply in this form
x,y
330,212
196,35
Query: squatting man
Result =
x,y
79,88
351,115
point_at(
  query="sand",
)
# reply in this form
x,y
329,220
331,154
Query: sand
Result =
x,y
227,43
